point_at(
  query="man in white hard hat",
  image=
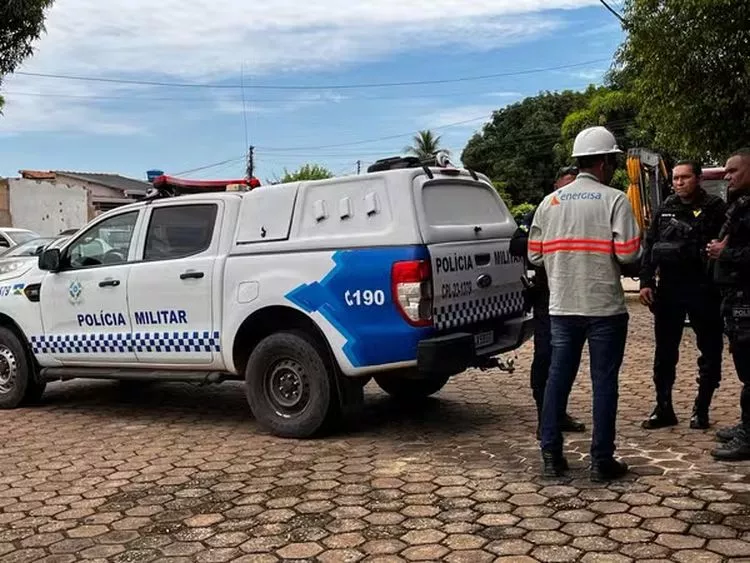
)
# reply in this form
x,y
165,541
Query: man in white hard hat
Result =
x,y
582,234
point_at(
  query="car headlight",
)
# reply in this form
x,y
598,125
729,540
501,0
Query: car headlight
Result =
x,y
14,266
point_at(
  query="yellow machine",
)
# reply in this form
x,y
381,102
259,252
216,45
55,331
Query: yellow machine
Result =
x,y
648,177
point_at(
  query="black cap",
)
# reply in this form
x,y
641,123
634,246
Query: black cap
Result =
x,y
566,170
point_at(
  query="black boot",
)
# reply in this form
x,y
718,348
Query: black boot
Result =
x,y
699,419
608,470
663,414
738,449
662,417
570,424
554,465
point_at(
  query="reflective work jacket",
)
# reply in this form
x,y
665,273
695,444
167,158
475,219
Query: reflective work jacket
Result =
x,y
581,234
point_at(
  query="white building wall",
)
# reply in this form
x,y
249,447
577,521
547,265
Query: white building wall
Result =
x,y
47,207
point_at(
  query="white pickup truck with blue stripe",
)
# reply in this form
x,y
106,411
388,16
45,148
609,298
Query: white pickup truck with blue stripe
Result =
x,y
304,291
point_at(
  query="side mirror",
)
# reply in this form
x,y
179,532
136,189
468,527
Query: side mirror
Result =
x,y
49,260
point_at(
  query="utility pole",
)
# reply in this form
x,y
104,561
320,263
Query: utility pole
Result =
x,y
359,166
250,162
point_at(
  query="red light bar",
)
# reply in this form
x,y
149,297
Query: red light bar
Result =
x,y
198,186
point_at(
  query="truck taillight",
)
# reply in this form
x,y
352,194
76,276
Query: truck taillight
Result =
x,y
411,286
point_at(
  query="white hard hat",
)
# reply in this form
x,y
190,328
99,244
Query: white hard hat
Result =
x,y
593,141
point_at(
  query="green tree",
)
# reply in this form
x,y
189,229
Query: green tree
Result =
x,y
687,63
21,23
517,148
306,172
424,144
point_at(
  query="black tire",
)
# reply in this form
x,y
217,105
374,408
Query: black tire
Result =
x,y
288,385
406,388
17,383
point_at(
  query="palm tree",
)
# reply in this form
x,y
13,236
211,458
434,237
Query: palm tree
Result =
x,y
425,144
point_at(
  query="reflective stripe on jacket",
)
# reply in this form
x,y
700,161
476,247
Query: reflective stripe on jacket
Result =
x,y
581,234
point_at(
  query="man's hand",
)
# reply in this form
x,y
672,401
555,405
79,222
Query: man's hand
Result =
x,y
715,248
647,296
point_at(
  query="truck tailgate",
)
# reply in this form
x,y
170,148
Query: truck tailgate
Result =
x,y
474,282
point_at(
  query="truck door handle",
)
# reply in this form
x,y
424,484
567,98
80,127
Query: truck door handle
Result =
x,y
482,259
109,283
191,275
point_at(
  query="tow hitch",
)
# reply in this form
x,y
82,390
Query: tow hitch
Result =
x,y
501,363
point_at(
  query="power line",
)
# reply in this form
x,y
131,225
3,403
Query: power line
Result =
x,y
365,141
249,100
539,137
301,87
207,166
614,12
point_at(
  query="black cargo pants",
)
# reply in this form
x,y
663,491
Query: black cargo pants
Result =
x,y
738,334
703,307
542,348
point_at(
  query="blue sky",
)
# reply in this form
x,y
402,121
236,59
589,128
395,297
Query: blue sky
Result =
x,y
291,57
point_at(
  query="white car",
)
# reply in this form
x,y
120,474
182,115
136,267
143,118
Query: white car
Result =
x,y
10,237
304,291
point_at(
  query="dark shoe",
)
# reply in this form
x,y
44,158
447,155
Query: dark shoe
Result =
x,y
728,434
699,420
662,417
553,465
736,450
608,470
570,424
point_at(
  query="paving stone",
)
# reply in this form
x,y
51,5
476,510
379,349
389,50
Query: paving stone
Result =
x,y
694,556
299,550
619,520
677,541
605,558
469,556
713,531
729,548
594,543
665,525
340,556
464,542
509,547
556,554
425,552
383,547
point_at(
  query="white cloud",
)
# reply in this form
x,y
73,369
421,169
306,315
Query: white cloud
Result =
x,y
210,40
460,117
590,74
504,94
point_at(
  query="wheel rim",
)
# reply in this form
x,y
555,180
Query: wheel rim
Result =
x,y
286,387
8,370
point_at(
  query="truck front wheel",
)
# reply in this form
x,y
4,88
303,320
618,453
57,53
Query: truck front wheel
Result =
x,y
17,382
288,386
411,388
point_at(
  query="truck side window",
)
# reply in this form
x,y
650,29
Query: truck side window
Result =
x,y
105,244
179,231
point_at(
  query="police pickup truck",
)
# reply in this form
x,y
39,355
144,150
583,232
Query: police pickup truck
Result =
x,y
304,291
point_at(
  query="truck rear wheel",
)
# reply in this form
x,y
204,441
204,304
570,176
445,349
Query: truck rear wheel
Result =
x,y
287,384
411,388
17,382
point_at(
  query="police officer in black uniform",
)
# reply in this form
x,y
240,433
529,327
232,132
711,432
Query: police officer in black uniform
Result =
x,y
538,299
731,253
674,247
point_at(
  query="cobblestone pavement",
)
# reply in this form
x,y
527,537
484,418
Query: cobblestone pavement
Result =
x,y
181,473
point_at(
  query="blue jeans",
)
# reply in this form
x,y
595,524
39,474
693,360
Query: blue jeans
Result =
x,y
606,337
